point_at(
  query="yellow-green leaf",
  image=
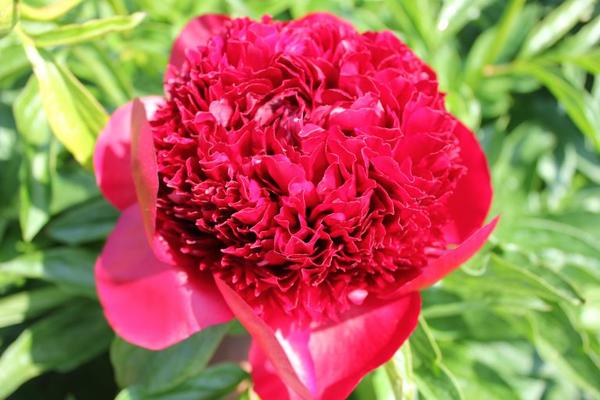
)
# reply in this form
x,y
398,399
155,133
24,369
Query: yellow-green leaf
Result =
x,y
49,12
90,30
8,16
75,116
556,25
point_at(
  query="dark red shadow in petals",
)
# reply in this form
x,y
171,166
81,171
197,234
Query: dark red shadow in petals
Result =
x,y
472,198
327,362
148,302
112,155
196,33
448,261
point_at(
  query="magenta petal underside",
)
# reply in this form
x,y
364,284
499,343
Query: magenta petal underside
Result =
x,y
112,156
324,362
143,165
148,302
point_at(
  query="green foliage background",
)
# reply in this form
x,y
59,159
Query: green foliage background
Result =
x,y
520,321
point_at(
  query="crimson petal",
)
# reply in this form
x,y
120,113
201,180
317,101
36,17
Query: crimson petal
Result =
x,y
148,302
472,198
112,155
325,362
196,33
448,261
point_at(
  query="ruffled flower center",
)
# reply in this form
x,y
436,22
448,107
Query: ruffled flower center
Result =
x,y
305,164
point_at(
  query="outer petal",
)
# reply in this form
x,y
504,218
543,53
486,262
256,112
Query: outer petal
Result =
x,y
148,302
196,33
112,156
326,362
143,165
449,261
471,201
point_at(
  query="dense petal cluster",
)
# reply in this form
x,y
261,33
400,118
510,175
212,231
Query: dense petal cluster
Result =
x,y
300,176
304,163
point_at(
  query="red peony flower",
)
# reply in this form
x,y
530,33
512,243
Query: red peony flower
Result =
x,y
299,175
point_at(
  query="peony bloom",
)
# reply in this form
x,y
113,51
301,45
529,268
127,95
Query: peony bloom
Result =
x,y
300,176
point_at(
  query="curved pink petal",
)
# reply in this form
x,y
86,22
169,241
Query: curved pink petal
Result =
x,y
143,165
148,302
448,261
196,33
265,337
112,155
326,362
471,201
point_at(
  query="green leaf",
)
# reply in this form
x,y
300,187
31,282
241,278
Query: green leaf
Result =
x,y
400,382
561,345
211,384
72,185
502,32
96,67
556,25
160,371
455,14
75,116
90,30
581,107
52,11
72,267
14,63
501,276
8,16
35,190
87,223
433,378
19,307
585,39
59,342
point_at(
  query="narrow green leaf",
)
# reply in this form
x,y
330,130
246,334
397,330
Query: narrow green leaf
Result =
x,y
585,39
160,371
502,31
96,67
500,276
211,384
72,267
561,345
35,190
75,116
556,25
8,16
455,14
400,375
581,107
60,342
52,11
433,378
19,307
90,30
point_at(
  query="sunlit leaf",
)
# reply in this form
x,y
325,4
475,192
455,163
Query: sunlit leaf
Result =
x,y
19,307
555,25
59,342
75,116
89,30
54,10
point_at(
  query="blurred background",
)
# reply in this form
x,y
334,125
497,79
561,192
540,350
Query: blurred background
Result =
x,y
520,321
